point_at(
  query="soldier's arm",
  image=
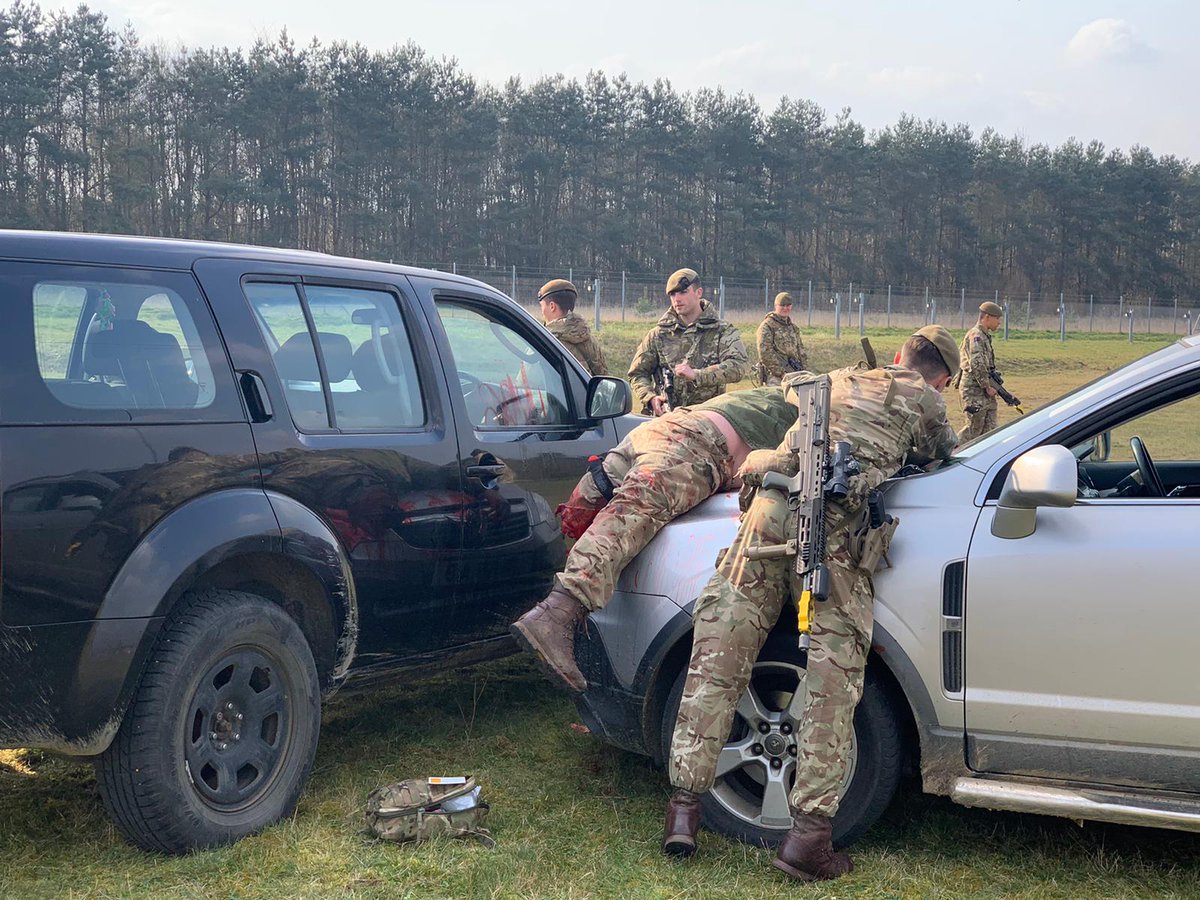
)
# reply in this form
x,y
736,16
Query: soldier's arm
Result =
x,y
732,361
768,355
978,356
641,372
933,436
596,363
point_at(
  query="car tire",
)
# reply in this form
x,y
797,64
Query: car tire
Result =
x,y
734,806
220,735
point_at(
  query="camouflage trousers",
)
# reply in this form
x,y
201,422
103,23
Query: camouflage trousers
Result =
x,y
733,617
663,468
982,420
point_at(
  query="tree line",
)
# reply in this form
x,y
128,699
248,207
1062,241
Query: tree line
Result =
x,y
398,155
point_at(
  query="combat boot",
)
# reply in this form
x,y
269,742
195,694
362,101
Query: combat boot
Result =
x,y
807,853
683,821
548,632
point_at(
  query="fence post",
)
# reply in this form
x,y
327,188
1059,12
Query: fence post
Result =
x,y
962,310
889,318
622,295
1062,318
933,312
767,294
1175,317
1005,319
514,283
810,303
1028,310
1149,312
1129,315
926,304
837,317
721,298
454,268
862,304
1091,312
1120,310
570,274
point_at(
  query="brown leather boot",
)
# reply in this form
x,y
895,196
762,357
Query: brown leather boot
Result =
x,y
683,821
807,853
548,632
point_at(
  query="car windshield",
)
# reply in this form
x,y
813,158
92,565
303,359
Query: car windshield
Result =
x,y
1046,414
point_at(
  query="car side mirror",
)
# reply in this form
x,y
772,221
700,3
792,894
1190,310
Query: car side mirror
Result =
x,y
608,397
1043,476
1101,446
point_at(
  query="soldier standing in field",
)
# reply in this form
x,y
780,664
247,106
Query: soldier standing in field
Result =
x,y
661,470
780,350
884,413
978,359
689,355
557,300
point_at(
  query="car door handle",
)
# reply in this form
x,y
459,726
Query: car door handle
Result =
x,y
255,392
487,472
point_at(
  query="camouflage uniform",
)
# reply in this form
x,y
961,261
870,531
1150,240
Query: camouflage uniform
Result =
x,y
712,347
780,349
661,470
575,335
884,413
977,359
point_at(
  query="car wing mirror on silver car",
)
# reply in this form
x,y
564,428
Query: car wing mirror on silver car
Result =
x,y
1043,476
608,397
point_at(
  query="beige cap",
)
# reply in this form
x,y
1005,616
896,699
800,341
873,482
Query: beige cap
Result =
x,y
988,308
558,285
681,280
941,338
783,298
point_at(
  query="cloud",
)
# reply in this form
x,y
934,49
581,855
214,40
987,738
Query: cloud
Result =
x,y
1044,101
734,57
1107,40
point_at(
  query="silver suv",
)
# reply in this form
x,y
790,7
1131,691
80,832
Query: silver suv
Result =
x,y
1034,640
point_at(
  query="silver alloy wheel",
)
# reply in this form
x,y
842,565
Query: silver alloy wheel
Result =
x,y
757,767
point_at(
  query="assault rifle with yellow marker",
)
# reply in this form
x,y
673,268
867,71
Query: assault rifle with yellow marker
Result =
x,y
823,474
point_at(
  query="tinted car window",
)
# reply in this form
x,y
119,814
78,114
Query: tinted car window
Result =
x,y
104,344
506,381
370,372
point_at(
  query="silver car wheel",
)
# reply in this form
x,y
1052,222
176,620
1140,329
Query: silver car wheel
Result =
x,y
757,767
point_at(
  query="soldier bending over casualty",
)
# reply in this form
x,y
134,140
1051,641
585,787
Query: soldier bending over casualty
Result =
x,y
884,414
661,470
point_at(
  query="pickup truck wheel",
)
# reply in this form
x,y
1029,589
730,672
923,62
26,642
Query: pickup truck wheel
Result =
x,y
222,730
757,767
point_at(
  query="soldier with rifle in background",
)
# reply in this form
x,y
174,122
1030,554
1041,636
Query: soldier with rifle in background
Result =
x,y
978,382
881,415
780,350
689,355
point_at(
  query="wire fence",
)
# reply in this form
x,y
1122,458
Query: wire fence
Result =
x,y
852,308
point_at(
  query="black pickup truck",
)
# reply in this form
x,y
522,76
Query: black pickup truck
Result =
x,y
235,477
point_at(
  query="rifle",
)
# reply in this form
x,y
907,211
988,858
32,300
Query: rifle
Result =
x,y
823,474
794,364
869,353
998,384
664,386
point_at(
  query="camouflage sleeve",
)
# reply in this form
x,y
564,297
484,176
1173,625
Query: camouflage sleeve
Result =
x,y
732,362
641,372
933,435
768,355
977,360
595,358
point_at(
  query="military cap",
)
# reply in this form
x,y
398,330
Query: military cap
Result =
x,y
940,338
783,298
682,280
988,308
556,286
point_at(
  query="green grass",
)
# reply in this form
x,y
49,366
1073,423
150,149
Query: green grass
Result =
x,y
573,816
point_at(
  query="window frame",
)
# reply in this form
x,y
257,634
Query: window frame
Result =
x,y
403,310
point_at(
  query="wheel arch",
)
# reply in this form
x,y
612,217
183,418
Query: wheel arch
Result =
x,y
270,545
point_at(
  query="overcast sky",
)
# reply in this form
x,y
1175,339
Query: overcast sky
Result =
x,y
1123,73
